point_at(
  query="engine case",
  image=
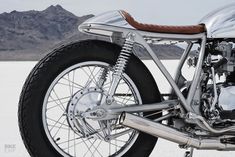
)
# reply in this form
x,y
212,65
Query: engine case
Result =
x,y
227,98
226,102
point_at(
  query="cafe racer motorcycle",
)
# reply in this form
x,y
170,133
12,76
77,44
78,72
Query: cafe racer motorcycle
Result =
x,y
96,98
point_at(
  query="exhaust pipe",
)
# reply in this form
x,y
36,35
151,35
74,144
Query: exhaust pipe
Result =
x,y
171,134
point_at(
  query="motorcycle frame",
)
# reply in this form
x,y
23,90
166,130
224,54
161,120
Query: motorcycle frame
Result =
x,y
116,33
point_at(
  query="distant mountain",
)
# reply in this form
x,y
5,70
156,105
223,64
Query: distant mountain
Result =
x,y
29,35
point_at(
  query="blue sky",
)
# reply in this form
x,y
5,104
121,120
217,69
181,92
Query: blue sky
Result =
x,y
170,12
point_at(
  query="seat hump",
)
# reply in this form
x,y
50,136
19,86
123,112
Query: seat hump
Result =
x,y
193,29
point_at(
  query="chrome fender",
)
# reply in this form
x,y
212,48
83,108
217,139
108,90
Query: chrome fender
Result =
x,y
106,24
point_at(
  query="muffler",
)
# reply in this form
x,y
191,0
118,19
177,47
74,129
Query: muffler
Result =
x,y
160,130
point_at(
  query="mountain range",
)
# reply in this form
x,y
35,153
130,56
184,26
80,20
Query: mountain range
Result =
x,y
30,35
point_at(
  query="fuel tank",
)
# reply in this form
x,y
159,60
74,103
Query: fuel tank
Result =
x,y
220,23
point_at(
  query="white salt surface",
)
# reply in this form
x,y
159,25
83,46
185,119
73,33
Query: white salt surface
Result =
x,y
12,77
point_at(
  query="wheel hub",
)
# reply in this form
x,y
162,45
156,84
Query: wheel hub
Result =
x,y
80,104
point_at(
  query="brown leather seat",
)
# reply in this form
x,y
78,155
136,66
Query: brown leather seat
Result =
x,y
194,29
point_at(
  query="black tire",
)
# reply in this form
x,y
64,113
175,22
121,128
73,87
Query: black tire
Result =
x,y
40,78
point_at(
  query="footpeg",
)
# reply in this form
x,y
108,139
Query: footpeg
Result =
x,y
189,153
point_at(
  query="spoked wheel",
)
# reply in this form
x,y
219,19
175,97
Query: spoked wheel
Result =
x,y
75,91
54,117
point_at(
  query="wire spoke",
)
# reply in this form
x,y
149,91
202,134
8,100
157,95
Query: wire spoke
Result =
x,y
59,128
96,149
79,86
125,96
74,86
128,100
67,134
120,140
57,105
75,144
74,139
73,81
90,78
92,73
90,148
61,104
56,122
70,86
87,145
114,144
59,99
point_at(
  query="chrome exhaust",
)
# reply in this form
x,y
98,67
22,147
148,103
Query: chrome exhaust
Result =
x,y
171,134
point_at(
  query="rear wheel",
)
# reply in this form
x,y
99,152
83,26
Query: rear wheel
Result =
x,y
64,86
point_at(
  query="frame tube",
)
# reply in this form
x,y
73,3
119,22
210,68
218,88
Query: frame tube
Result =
x,y
198,71
182,61
145,107
140,40
107,30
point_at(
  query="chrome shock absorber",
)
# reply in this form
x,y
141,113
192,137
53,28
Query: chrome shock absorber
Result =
x,y
123,57
120,65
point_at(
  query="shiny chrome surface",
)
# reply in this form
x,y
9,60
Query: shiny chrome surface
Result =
x,y
145,107
221,22
173,135
227,98
111,18
120,65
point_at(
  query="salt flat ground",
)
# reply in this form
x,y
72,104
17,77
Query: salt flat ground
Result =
x,y
12,77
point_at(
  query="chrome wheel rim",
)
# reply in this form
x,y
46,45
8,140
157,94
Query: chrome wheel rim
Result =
x,y
54,114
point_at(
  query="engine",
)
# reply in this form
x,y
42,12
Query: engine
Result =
x,y
226,102
218,99
224,109
214,98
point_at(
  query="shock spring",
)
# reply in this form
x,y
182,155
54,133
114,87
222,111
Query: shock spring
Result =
x,y
123,57
120,66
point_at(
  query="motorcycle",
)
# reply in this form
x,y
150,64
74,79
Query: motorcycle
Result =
x,y
97,98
